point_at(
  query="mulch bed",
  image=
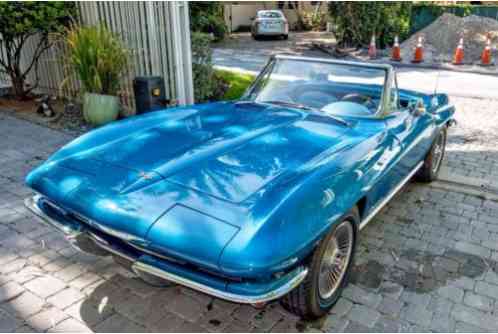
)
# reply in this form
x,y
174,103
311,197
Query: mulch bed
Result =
x,y
68,117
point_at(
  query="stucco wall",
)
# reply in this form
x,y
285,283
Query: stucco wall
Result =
x,y
240,14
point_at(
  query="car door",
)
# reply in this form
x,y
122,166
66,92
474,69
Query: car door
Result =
x,y
403,146
414,128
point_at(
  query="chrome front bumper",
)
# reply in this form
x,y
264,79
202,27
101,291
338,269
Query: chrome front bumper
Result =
x,y
158,267
295,278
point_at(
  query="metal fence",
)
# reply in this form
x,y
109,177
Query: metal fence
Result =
x,y
424,14
157,35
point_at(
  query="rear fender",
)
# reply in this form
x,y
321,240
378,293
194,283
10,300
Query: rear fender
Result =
x,y
443,111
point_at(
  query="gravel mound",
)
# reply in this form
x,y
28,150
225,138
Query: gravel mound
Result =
x,y
441,38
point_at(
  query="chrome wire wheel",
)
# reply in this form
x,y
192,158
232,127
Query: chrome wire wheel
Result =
x,y
438,153
335,260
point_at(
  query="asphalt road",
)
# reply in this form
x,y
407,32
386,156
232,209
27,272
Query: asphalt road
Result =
x,y
453,83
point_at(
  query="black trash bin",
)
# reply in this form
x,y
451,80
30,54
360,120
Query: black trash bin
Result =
x,y
150,93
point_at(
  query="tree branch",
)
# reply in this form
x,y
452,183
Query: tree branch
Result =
x,y
37,81
2,63
18,48
42,46
8,53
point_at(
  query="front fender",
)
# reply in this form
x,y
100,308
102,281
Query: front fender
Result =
x,y
293,230
285,225
119,129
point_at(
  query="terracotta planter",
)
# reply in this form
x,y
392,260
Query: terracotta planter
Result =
x,y
100,109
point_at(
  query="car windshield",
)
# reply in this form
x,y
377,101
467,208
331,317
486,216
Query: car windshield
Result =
x,y
334,88
269,15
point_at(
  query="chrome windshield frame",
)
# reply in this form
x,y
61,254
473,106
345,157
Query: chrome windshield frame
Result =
x,y
383,108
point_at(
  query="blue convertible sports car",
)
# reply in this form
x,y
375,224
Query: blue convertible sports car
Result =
x,y
249,200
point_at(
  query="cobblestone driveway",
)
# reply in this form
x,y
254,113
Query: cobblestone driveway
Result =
x,y
427,262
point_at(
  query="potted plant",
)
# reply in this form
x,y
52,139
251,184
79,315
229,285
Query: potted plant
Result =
x,y
98,58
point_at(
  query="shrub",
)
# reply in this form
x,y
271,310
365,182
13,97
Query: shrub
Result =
x,y
207,17
355,22
314,21
207,86
20,22
98,57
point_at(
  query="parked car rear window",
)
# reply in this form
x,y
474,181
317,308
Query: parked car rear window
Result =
x,y
270,15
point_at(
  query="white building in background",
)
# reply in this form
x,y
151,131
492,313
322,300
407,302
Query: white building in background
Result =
x,y
239,14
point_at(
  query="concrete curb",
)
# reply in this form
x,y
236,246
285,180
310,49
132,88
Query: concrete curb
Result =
x,y
441,67
481,188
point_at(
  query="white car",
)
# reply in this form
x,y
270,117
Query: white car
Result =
x,y
270,23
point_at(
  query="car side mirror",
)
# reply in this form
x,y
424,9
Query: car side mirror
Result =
x,y
417,107
252,18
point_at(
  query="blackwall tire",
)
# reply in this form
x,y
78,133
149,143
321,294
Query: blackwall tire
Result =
x,y
434,159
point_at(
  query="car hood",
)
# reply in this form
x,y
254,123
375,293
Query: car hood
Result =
x,y
229,152
180,182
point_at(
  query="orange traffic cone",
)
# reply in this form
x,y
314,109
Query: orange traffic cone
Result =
x,y
458,58
486,53
396,52
372,49
418,57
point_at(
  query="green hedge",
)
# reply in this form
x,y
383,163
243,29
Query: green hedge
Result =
x,y
355,22
425,14
205,82
207,17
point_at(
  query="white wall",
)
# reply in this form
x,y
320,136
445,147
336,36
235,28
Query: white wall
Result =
x,y
240,14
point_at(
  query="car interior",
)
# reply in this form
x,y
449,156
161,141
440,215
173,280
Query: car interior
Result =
x,y
361,99
336,89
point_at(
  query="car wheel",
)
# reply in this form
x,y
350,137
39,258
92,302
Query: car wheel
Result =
x,y
256,37
286,37
329,267
433,160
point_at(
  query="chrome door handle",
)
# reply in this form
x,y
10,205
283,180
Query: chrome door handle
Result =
x,y
407,123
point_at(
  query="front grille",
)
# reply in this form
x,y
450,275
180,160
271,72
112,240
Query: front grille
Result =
x,y
80,218
51,207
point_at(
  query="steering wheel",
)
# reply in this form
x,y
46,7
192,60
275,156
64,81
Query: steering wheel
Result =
x,y
360,99
285,94
316,99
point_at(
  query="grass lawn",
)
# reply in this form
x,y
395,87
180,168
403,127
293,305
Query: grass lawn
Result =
x,y
238,83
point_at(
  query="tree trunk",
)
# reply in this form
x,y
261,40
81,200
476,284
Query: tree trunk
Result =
x,y
18,87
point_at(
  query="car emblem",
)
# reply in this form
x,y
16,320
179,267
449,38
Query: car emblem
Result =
x,y
146,176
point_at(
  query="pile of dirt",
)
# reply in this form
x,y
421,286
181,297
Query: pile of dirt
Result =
x,y
441,38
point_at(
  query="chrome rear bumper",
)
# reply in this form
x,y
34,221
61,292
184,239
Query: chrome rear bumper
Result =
x,y
141,263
